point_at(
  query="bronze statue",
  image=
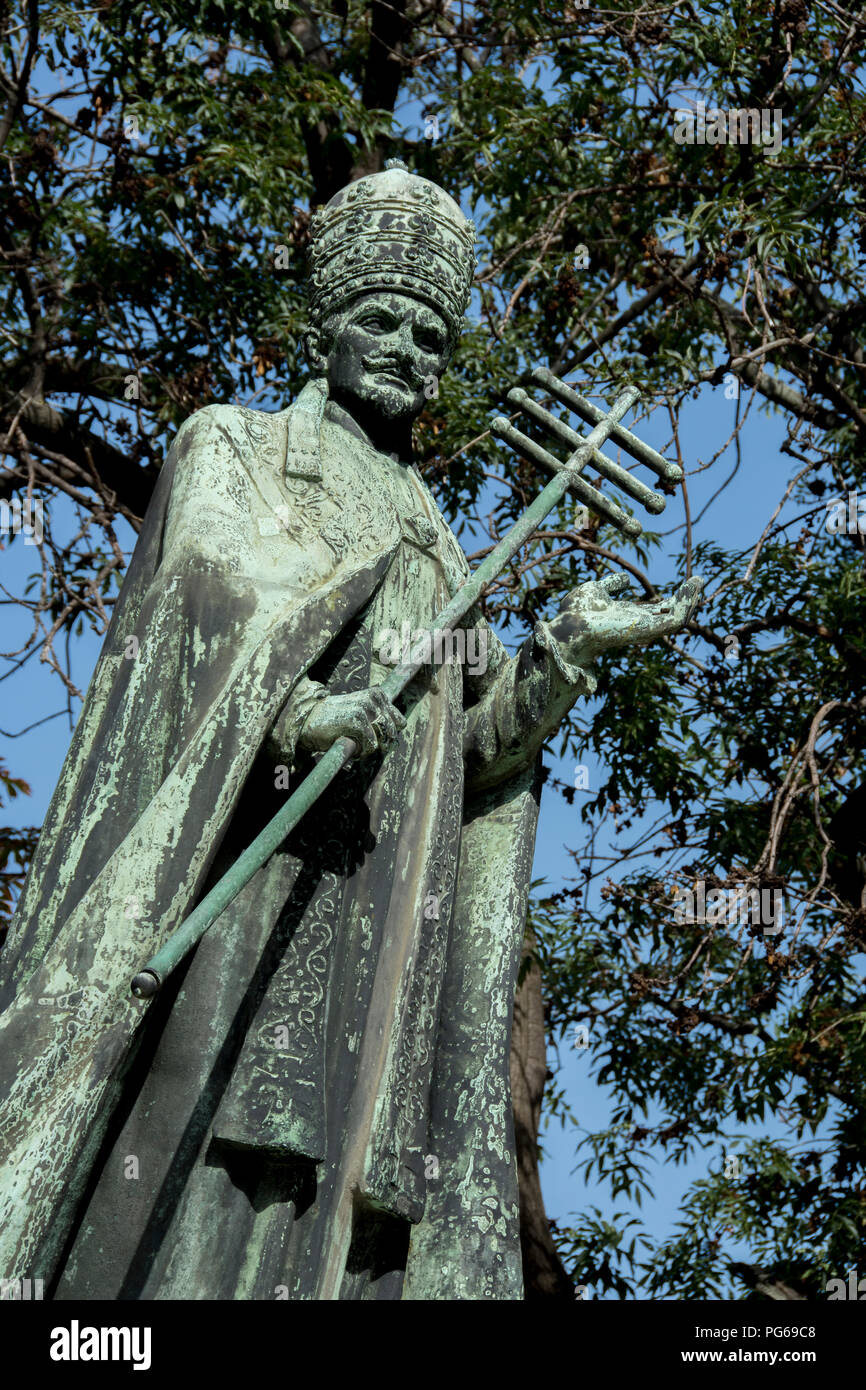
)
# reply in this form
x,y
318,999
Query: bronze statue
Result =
x,y
316,1105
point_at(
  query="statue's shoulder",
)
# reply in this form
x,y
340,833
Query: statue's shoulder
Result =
x,y
234,425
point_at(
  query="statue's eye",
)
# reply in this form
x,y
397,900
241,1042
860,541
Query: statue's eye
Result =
x,y
378,322
430,342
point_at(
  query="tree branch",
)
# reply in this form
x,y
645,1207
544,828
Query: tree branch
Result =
x,y
24,77
131,485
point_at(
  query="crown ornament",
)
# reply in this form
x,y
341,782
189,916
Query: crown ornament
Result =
x,y
392,231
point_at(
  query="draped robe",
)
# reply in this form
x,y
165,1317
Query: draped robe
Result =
x,y
317,1104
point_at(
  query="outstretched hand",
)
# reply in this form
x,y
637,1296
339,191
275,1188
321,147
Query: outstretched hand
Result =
x,y
592,620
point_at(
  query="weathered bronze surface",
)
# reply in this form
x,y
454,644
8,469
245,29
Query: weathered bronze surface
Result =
x,y
317,1104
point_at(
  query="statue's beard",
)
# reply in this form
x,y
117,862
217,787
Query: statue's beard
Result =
x,y
384,389
383,409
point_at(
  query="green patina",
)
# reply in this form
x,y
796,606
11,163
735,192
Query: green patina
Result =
x,y
324,1034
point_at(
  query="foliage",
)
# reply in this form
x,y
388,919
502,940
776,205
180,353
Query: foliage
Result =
x,y
16,848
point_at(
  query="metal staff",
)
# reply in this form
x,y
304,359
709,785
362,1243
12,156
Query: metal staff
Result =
x,y
566,477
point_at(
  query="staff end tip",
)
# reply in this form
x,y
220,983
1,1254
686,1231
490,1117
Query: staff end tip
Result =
x,y
146,984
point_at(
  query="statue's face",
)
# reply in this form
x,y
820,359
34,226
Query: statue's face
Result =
x,y
382,353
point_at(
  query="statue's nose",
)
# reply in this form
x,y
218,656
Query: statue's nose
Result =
x,y
404,343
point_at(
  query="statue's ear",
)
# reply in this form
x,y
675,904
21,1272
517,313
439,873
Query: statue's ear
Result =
x,y
312,341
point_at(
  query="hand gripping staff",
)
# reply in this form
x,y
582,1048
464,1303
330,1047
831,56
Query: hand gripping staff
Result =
x,y
566,478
